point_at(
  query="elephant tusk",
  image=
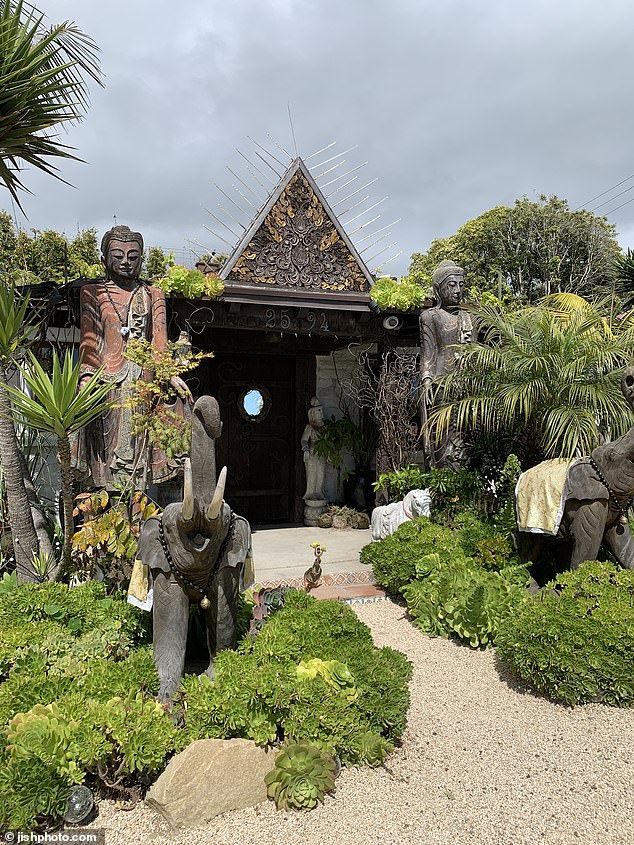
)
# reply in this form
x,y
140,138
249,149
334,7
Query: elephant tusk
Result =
x,y
216,503
187,508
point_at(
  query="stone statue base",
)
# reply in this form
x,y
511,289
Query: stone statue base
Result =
x,y
313,510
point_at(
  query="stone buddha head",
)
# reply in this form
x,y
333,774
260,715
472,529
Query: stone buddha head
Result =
x,y
122,255
448,284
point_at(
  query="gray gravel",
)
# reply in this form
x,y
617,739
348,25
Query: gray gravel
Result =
x,y
482,761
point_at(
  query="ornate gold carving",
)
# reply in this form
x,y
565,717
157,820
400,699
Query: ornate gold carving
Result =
x,y
297,245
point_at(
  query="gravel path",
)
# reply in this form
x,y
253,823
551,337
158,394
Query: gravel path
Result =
x,y
482,761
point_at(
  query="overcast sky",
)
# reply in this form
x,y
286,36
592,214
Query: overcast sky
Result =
x,y
456,105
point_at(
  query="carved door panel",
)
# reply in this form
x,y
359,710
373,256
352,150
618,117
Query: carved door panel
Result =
x,y
256,394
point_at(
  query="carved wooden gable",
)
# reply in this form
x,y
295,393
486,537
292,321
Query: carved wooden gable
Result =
x,y
297,242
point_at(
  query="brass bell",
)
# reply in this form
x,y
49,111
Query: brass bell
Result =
x,y
623,519
205,603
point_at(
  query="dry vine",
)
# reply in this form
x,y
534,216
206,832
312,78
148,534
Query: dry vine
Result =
x,y
389,392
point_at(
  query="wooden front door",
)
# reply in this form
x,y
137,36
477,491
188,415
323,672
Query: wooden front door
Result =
x,y
259,444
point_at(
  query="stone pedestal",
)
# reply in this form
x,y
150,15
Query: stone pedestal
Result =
x,y
313,510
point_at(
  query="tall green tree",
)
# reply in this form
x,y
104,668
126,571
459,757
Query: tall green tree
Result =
x,y
156,263
529,250
552,370
43,85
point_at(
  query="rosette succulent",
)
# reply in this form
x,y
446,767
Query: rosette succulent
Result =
x,y
373,748
335,673
301,777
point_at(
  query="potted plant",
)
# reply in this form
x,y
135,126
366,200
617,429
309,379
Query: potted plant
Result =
x,y
342,436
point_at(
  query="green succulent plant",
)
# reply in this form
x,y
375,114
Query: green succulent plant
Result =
x,y
335,673
373,748
303,774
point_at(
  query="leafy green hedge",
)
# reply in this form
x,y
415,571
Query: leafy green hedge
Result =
x,y
460,582
465,601
398,558
577,646
78,685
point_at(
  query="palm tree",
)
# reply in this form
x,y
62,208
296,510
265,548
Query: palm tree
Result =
x,y
43,75
57,406
553,369
624,277
42,85
15,333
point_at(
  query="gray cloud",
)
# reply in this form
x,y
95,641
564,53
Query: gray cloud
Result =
x,y
457,106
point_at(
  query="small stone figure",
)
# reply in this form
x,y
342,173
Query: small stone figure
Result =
x,y
442,328
387,518
312,576
114,311
314,497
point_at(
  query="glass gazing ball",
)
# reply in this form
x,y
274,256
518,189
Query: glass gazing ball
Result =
x,y
79,804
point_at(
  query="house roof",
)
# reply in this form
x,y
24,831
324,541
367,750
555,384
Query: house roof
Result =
x,y
296,242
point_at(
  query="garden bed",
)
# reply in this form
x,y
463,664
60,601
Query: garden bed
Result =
x,y
481,761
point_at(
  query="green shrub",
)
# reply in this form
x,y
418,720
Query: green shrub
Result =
x,y
313,674
395,558
483,542
577,646
463,601
77,700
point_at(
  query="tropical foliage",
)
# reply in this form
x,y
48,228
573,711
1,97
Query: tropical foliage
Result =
x,y
528,250
43,85
109,533
57,405
549,372
398,294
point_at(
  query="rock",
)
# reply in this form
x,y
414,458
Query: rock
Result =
x,y
360,520
339,521
325,520
210,777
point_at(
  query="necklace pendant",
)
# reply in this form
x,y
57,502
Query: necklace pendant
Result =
x,y
623,519
125,331
205,603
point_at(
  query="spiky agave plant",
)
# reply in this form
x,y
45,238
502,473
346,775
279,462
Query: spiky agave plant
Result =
x,y
303,774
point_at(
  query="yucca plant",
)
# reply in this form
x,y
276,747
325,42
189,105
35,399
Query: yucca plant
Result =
x,y
42,85
553,369
57,406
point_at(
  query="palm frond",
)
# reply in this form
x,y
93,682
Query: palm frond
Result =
x,y
43,85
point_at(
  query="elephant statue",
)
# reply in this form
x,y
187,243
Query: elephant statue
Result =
x,y
590,507
387,518
196,551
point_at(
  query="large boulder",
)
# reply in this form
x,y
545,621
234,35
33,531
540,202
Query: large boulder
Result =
x,y
210,777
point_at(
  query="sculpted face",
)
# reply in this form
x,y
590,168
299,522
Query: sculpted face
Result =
x,y
451,290
123,261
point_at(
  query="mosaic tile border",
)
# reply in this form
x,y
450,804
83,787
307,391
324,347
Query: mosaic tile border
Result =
x,y
336,579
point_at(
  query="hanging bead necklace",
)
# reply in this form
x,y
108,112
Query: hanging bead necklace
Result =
x,y
123,318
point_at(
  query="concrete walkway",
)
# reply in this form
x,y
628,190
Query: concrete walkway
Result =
x,y
283,554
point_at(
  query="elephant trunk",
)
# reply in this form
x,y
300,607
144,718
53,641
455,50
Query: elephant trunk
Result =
x,y
200,470
206,428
